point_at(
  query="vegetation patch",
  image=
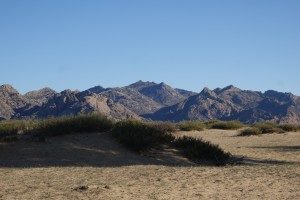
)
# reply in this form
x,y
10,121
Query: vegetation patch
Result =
x,y
267,127
250,131
13,127
191,126
288,127
55,126
138,135
225,125
198,149
77,124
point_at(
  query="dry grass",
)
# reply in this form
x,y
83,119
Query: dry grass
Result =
x,y
94,166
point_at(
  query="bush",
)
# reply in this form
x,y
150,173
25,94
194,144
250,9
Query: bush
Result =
x,y
225,125
267,127
288,127
198,149
191,126
138,135
250,131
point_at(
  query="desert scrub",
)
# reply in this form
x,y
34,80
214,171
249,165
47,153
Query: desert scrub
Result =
x,y
56,126
267,127
250,131
198,149
139,135
225,125
76,124
288,127
13,127
191,126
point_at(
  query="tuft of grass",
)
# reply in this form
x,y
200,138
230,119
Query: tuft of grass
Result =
x,y
198,149
225,125
191,126
138,135
250,131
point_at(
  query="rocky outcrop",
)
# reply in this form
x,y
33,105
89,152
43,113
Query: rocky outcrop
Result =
x,y
133,100
160,93
39,97
10,101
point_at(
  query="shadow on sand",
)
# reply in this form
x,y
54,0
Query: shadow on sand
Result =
x,y
101,150
252,161
279,148
94,150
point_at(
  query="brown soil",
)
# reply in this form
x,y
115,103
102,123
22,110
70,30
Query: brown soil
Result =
x,y
95,166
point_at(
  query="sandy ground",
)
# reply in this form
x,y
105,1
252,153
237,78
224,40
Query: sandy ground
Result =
x,y
94,166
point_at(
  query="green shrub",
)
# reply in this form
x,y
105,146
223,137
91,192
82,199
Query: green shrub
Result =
x,y
197,149
138,135
267,127
226,125
288,127
250,131
191,126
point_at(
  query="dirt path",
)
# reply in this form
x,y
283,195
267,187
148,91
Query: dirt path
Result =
x,y
94,166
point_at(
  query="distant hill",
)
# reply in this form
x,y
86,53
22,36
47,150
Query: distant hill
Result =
x,y
154,101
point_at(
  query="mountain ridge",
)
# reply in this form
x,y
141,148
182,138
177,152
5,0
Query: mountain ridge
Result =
x,y
153,101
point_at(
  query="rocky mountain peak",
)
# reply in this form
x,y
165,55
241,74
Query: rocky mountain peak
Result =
x,y
67,92
8,88
97,89
273,93
229,88
140,85
207,92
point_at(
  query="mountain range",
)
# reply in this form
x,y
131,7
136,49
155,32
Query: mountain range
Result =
x,y
153,101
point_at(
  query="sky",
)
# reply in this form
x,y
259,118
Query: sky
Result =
x,y
188,44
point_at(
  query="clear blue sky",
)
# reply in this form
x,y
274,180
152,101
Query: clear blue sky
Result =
x,y
190,44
